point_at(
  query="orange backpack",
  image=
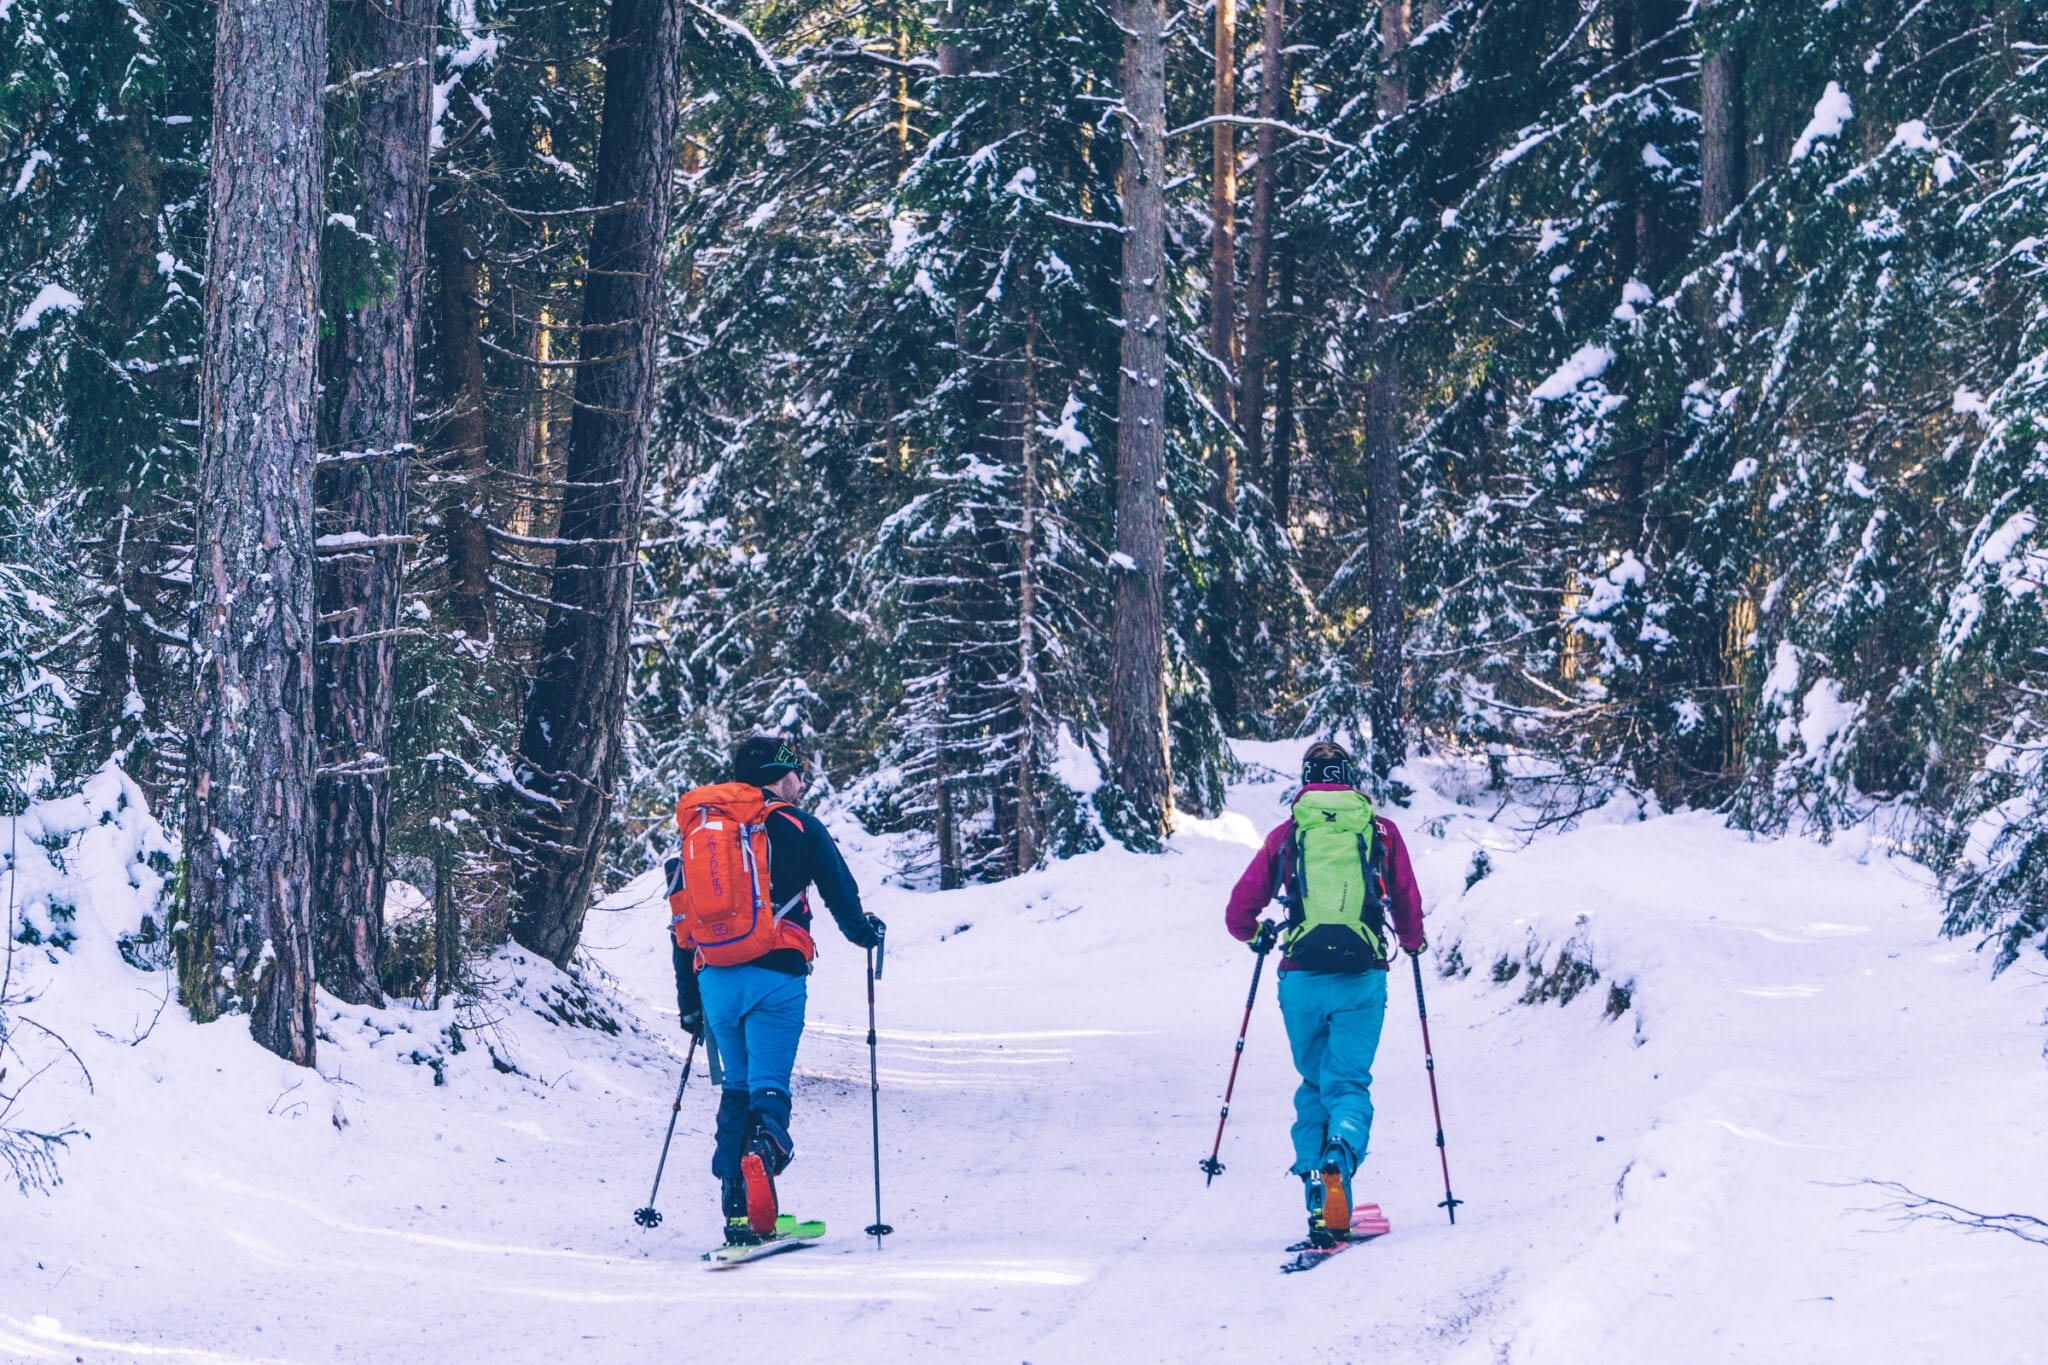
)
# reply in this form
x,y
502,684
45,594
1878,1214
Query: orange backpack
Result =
x,y
721,906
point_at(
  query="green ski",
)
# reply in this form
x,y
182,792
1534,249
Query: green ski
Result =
x,y
791,1234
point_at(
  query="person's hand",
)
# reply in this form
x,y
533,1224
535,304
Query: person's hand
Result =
x,y
1263,940
1418,950
693,1024
876,931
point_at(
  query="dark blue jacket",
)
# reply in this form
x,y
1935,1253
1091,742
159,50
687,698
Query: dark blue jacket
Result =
x,y
801,855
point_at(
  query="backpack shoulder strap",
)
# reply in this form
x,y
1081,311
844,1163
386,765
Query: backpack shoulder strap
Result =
x,y
1293,875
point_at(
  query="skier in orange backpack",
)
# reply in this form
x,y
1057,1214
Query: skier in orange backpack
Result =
x,y
741,917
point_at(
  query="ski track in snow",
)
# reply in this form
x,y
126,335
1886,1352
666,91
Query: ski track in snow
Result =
x,y
1676,1184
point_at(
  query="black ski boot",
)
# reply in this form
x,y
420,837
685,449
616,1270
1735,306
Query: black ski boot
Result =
x,y
739,1231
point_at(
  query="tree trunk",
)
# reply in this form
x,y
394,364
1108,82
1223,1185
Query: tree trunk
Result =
x,y
1723,135
1223,238
1386,702
1026,818
1659,244
1223,623
458,269
1280,457
1137,702
575,712
447,924
952,57
370,388
246,942
1659,241
1251,385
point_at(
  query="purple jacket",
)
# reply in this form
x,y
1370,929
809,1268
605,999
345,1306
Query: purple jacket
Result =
x,y
1255,889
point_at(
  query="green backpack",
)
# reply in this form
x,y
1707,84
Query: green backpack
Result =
x,y
1333,881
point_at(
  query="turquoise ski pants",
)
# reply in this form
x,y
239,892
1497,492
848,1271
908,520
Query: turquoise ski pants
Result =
x,y
1333,1026
756,1016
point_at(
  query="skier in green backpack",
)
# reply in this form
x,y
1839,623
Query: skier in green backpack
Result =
x,y
1342,872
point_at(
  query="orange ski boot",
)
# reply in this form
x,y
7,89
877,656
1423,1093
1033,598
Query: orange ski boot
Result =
x,y
761,1205
1336,1198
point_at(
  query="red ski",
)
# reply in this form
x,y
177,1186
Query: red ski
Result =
x,y
1367,1222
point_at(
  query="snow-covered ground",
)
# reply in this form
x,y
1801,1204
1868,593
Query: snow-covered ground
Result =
x,y
1668,1172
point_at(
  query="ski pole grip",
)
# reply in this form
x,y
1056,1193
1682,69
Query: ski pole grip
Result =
x,y
880,944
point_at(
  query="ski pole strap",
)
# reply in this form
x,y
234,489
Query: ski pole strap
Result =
x,y
711,1057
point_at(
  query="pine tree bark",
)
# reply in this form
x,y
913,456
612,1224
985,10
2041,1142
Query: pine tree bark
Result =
x,y
1386,699
1137,703
1251,386
370,388
1280,457
1026,833
458,272
1223,236
1643,34
1223,625
246,940
1724,131
569,750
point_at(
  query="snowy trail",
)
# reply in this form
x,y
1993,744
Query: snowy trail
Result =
x,y
1671,1184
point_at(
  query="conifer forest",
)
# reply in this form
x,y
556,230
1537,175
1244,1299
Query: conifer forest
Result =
x,y
434,432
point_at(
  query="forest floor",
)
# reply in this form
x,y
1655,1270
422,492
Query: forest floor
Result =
x,y
1674,1171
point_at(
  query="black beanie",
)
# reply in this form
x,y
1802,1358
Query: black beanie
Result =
x,y
765,760
1326,762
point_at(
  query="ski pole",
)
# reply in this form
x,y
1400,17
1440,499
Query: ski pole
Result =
x,y
650,1217
1449,1204
878,1229
1211,1165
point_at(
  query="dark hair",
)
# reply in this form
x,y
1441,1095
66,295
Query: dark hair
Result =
x,y
765,759
1328,761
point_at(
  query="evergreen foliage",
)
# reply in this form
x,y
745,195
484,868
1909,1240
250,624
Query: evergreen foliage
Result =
x,y
1723,429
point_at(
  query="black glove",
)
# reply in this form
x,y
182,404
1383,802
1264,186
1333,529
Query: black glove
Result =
x,y
689,1000
1268,934
876,931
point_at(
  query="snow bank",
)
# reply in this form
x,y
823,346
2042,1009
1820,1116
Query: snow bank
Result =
x,y
1657,1155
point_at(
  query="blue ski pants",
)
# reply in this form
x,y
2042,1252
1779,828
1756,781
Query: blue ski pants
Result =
x,y
1333,1026
756,1018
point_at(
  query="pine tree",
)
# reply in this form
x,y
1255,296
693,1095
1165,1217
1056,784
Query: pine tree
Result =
x,y
245,941
1138,753
385,61
569,752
